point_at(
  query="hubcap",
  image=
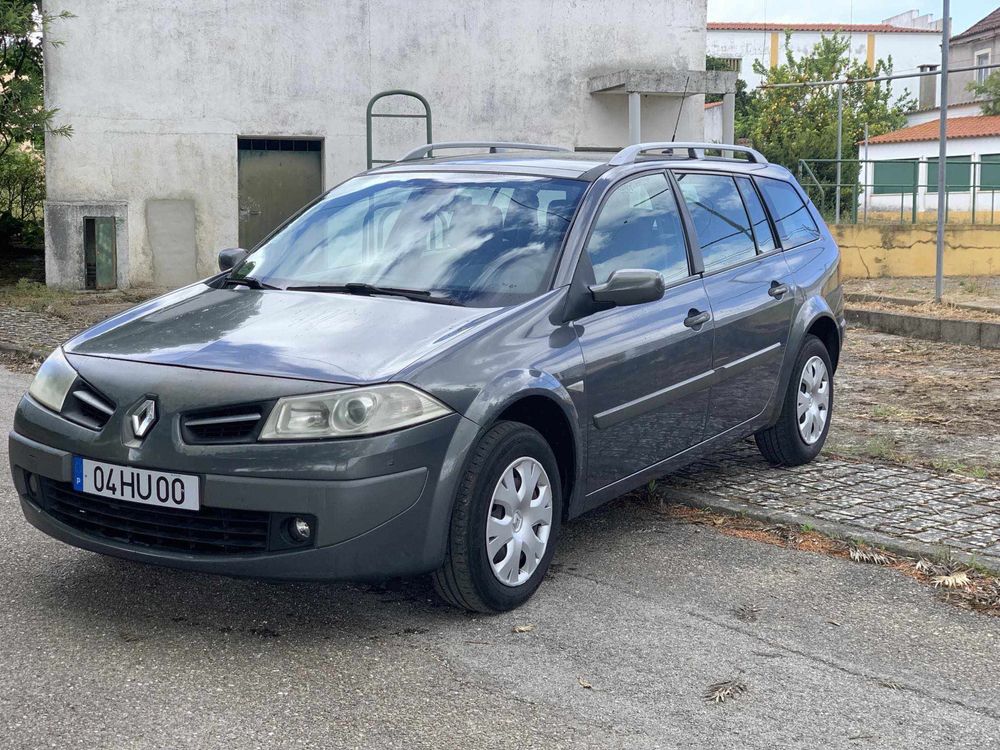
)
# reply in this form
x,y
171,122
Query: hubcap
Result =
x,y
519,521
813,405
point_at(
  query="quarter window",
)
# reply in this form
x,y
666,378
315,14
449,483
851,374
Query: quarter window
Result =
x,y
720,219
639,227
791,215
761,226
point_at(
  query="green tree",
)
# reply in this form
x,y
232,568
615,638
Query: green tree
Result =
x,y
24,119
989,92
800,122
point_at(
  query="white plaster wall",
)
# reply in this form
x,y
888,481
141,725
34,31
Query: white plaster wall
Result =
x,y
908,51
954,110
713,124
157,92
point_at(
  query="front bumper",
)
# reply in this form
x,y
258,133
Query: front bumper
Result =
x,y
382,505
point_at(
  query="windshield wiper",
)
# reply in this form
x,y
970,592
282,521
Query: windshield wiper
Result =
x,y
367,290
248,281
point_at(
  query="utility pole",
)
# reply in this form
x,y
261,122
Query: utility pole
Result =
x,y
840,146
942,154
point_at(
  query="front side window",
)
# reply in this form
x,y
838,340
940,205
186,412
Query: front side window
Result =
x,y
480,240
791,215
720,219
639,226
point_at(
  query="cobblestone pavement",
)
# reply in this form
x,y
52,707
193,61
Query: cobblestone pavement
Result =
x,y
915,506
39,331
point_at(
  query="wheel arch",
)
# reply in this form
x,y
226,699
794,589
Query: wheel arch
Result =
x,y
546,415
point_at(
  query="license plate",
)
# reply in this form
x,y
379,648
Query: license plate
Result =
x,y
134,485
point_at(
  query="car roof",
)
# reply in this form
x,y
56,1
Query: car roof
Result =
x,y
585,165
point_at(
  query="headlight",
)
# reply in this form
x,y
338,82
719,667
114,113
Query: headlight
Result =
x,y
53,381
357,411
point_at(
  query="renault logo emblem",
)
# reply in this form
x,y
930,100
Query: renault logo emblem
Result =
x,y
143,418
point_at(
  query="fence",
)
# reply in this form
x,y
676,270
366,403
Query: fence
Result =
x,y
904,191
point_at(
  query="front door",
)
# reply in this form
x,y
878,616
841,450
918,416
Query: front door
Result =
x,y
277,177
647,366
750,289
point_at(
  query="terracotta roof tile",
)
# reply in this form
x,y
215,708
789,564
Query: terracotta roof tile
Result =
x,y
980,126
877,28
990,23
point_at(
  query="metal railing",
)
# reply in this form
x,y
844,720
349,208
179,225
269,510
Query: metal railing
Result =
x,y
899,197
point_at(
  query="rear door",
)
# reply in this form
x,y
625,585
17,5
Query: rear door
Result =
x,y
749,287
647,366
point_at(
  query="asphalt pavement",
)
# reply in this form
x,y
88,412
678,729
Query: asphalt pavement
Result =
x,y
635,622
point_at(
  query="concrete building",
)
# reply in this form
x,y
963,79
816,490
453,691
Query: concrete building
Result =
x,y
198,126
979,45
910,39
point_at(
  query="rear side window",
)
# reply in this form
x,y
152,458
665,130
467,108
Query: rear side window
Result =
x,y
720,219
761,226
639,227
791,215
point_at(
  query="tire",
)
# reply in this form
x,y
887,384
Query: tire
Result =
x,y
786,444
467,578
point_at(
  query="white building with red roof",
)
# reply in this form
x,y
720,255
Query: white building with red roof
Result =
x,y
910,39
902,171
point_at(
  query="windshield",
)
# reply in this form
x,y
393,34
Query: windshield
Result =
x,y
476,239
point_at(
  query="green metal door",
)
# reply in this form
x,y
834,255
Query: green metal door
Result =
x,y
277,177
100,252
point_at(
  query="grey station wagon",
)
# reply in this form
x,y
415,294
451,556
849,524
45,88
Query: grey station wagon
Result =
x,y
438,362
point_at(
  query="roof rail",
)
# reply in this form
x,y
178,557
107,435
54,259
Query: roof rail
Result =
x,y
629,154
427,149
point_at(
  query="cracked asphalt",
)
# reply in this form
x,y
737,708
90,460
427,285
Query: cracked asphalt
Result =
x,y
100,653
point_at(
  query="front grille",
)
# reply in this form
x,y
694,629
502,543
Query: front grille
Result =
x,y
210,531
86,406
229,424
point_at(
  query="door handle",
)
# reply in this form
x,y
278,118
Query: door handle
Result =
x,y
778,290
697,319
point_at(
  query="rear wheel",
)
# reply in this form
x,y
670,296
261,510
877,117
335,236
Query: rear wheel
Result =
x,y
801,429
505,522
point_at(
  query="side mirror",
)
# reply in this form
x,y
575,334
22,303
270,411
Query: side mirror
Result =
x,y
230,257
629,287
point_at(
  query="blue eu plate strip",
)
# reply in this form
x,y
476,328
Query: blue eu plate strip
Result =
x,y
78,473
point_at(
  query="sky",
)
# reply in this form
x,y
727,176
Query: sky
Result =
x,y
964,13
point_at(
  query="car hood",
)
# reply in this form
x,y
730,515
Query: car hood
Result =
x,y
337,338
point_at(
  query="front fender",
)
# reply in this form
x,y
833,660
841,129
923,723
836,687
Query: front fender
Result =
x,y
513,386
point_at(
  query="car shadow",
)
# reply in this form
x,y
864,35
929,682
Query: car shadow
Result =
x,y
105,593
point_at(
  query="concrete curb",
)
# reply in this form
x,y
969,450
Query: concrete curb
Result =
x,y
969,332
911,302
25,350
834,529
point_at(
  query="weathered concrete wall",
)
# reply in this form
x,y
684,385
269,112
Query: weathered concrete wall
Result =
x,y
64,252
870,251
157,92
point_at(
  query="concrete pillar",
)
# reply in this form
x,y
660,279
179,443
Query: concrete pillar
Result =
x,y
729,118
634,117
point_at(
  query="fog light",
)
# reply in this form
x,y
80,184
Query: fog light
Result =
x,y
299,530
32,482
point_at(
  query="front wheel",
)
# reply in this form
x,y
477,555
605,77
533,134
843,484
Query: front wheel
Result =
x,y
505,522
801,429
